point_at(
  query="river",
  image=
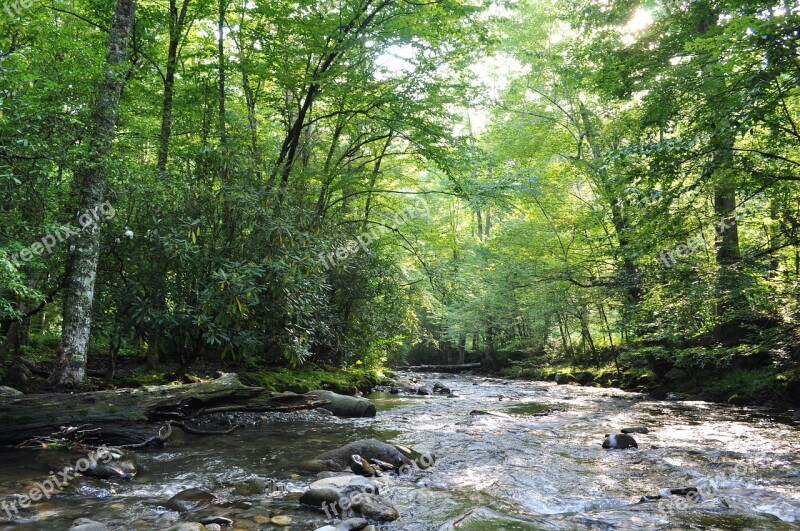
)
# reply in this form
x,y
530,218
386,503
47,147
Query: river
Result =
x,y
533,462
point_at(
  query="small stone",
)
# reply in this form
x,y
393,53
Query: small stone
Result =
x,y
261,519
281,519
683,491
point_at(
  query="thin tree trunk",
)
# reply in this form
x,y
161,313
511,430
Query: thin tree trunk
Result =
x,y
70,366
176,21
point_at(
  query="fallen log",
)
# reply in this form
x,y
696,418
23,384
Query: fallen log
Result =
x,y
30,416
441,368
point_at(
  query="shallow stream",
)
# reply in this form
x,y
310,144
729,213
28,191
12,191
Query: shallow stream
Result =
x,y
533,462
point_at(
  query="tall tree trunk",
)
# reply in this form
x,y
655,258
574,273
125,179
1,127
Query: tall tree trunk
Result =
x,y
223,137
176,20
70,366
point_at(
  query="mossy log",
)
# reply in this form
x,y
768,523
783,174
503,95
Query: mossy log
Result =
x,y
29,416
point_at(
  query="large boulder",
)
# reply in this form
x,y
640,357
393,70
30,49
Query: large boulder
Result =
x,y
331,490
339,459
345,406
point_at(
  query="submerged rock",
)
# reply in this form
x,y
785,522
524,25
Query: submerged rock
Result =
x,y
113,464
252,486
619,441
339,459
190,500
84,524
345,406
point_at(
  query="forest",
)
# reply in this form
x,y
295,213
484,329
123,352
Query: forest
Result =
x,y
600,189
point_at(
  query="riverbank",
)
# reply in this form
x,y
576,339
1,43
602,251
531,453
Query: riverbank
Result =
x,y
733,376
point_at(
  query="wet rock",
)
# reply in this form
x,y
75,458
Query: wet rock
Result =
x,y
683,491
6,391
374,507
281,520
584,377
113,464
352,524
328,474
422,459
190,500
564,378
218,520
650,499
638,429
360,466
213,527
84,524
370,528
619,441
90,487
424,390
339,458
331,490
187,526
252,486
440,389
345,406
326,528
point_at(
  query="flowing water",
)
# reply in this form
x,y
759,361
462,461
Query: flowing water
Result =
x,y
533,462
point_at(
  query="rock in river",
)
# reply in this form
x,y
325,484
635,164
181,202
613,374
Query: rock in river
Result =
x,y
84,524
190,500
619,441
111,464
331,490
345,406
339,459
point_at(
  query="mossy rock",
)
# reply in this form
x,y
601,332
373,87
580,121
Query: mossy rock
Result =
x,y
563,378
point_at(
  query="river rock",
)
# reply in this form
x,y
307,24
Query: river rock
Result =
x,y
7,392
374,507
252,486
190,500
213,527
423,460
564,378
113,464
360,466
331,490
638,429
424,390
619,441
345,406
216,520
187,526
352,524
440,389
339,459
84,524
584,377
90,487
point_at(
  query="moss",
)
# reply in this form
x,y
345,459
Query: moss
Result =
x,y
303,380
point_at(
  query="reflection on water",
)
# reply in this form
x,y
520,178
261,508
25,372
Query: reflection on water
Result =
x,y
537,465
